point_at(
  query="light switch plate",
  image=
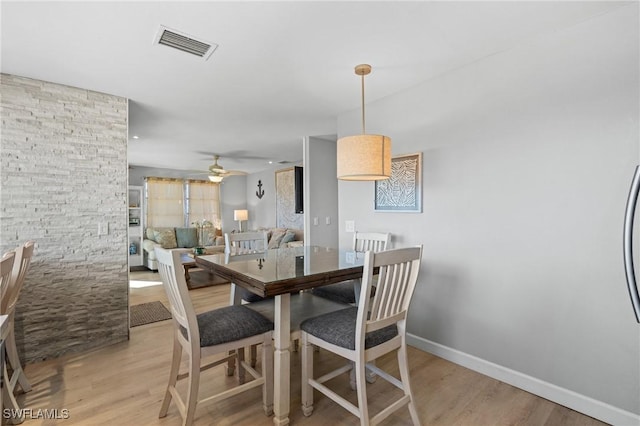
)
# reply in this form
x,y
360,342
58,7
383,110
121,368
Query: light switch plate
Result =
x,y
350,226
103,228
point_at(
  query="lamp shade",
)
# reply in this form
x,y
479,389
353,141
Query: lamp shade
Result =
x,y
240,215
216,179
364,157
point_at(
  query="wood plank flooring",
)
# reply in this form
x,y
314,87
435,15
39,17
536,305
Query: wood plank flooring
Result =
x,y
123,384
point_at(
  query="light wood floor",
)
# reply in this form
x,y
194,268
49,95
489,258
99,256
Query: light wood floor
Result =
x,y
123,384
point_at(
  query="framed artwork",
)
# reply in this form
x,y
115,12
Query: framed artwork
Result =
x,y
402,192
286,216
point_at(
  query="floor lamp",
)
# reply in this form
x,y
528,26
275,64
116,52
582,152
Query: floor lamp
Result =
x,y
240,215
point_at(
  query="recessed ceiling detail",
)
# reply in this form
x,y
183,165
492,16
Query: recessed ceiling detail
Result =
x,y
184,42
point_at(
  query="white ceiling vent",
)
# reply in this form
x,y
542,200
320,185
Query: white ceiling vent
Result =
x,y
185,42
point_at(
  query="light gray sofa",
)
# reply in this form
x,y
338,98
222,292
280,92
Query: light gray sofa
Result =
x,y
182,239
283,237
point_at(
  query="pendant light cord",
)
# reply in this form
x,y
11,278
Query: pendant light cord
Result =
x,y
362,85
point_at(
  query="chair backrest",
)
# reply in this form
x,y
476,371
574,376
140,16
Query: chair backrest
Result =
x,y
374,241
395,283
21,264
175,285
245,242
6,266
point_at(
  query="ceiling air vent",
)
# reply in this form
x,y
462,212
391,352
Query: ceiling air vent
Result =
x,y
186,43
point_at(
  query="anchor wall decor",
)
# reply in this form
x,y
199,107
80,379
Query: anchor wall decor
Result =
x,y
260,191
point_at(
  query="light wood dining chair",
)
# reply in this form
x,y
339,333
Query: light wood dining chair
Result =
x,y
224,331
245,242
8,400
347,291
8,303
361,334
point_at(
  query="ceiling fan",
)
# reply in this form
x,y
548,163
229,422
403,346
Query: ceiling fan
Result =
x,y
216,172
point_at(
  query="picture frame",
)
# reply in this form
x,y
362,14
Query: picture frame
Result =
x,y
402,192
286,216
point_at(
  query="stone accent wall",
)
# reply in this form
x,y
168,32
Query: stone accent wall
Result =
x,y
63,165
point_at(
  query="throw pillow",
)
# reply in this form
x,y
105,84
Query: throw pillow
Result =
x,y
276,237
150,234
267,230
187,237
288,237
166,237
208,236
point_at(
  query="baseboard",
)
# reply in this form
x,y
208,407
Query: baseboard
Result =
x,y
581,403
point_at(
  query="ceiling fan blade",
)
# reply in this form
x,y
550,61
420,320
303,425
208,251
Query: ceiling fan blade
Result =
x,y
238,155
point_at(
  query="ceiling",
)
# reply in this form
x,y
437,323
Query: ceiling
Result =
x,y
282,71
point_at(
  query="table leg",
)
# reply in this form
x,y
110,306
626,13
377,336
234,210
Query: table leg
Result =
x,y
282,360
235,298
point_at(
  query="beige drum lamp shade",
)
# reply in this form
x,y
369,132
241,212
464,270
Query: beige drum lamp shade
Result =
x,y
364,157
240,215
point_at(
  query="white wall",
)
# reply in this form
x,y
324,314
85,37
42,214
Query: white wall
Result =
x,y
320,192
527,160
262,211
233,196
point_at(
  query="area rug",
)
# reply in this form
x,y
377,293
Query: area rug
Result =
x,y
146,313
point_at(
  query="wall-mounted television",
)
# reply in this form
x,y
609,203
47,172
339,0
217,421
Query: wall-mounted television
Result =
x,y
299,198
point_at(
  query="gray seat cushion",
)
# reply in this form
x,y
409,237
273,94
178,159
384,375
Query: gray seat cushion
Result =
x,y
247,296
339,328
341,292
229,324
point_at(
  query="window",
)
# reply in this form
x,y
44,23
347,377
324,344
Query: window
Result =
x,y
203,202
165,206
179,203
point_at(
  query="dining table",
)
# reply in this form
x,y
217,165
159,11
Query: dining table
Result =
x,y
277,274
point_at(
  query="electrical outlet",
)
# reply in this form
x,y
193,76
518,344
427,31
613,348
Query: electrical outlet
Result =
x,y
350,257
103,228
350,226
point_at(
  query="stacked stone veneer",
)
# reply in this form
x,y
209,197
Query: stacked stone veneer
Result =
x,y
63,165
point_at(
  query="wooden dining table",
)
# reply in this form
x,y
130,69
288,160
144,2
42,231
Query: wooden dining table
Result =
x,y
281,273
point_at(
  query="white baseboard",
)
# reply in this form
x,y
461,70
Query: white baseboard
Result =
x,y
581,403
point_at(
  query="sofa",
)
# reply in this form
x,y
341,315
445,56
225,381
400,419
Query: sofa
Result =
x,y
182,239
186,239
282,237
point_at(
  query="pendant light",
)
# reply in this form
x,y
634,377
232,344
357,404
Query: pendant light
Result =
x,y
364,157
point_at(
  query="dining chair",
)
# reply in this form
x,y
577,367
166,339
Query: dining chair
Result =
x,y
347,291
23,255
375,327
224,331
245,242
6,267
